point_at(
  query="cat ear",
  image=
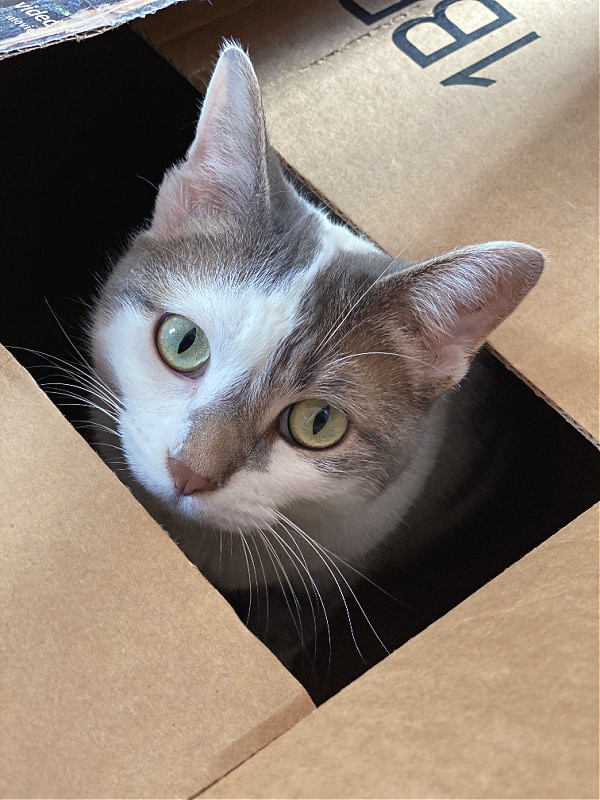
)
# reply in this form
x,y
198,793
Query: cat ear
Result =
x,y
456,300
226,166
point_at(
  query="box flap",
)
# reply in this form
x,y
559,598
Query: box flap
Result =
x,y
478,122
124,673
499,698
28,24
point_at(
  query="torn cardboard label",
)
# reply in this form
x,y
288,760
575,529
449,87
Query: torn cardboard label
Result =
x,y
29,24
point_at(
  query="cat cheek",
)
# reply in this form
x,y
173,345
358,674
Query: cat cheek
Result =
x,y
187,385
145,444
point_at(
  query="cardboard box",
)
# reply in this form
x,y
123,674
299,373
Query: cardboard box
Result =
x,y
126,674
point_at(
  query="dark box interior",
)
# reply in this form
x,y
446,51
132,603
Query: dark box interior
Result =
x,y
88,130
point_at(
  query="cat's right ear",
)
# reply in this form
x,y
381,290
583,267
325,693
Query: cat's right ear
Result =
x,y
225,168
451,303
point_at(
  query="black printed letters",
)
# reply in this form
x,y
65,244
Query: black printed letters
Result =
x,y
460,38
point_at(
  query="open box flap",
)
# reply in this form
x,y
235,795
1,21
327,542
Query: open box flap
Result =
x,y
499,698
124,673
28,24
497,139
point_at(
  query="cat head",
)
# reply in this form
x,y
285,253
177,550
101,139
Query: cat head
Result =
x,y
267,361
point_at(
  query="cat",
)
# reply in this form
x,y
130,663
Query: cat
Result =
x,y
282,390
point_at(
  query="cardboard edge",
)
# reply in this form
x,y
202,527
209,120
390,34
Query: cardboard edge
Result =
x,y
18,48
292,707
265,774
168,43
545,397
7,359
15,372
245,747
82,25
161,51
215,12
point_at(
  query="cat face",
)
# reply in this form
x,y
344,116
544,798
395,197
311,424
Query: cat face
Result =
x,y
270,366
275,407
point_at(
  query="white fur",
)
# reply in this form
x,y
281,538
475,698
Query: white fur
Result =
x,y
339,238
245,325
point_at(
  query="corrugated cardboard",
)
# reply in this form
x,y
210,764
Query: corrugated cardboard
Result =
x,y
30,24
422,167
499,698
124,673
424,151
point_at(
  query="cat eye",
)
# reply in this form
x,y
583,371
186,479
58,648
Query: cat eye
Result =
x,y
316,424
181,344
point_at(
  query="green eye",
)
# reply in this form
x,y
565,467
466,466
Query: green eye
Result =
x,y
182,344
316,424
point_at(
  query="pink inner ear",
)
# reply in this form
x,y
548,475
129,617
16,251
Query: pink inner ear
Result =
x,y
174,206
227,155
449,363
189,193
460,298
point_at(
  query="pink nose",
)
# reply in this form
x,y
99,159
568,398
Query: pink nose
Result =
x,y
187,481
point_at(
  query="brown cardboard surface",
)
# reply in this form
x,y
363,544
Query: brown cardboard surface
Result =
x,y
283,37
422,167
499,698
124,673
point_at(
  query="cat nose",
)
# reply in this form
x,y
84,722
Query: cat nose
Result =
x,y
187,481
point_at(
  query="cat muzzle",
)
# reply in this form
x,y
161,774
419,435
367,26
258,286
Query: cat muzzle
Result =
x,y
187,481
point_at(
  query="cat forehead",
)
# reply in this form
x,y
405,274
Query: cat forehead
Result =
x,y
248,321
243,254
248,315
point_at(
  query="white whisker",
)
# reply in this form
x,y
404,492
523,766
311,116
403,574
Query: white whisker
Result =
x,y
300,564
330,565
87,379
245,552
384,353
274,556
330,569
264,576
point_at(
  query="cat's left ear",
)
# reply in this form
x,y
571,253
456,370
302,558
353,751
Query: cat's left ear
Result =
x,y
225,168
452,303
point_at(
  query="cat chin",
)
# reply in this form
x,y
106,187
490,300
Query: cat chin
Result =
x,y
200,511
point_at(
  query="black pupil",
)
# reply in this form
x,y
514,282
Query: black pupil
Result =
x,y
320,420
187,341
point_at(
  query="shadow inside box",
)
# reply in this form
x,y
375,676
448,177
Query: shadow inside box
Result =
x,y
546,478
89,130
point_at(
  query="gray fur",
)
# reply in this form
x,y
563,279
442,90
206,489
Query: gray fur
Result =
x,y
382,340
